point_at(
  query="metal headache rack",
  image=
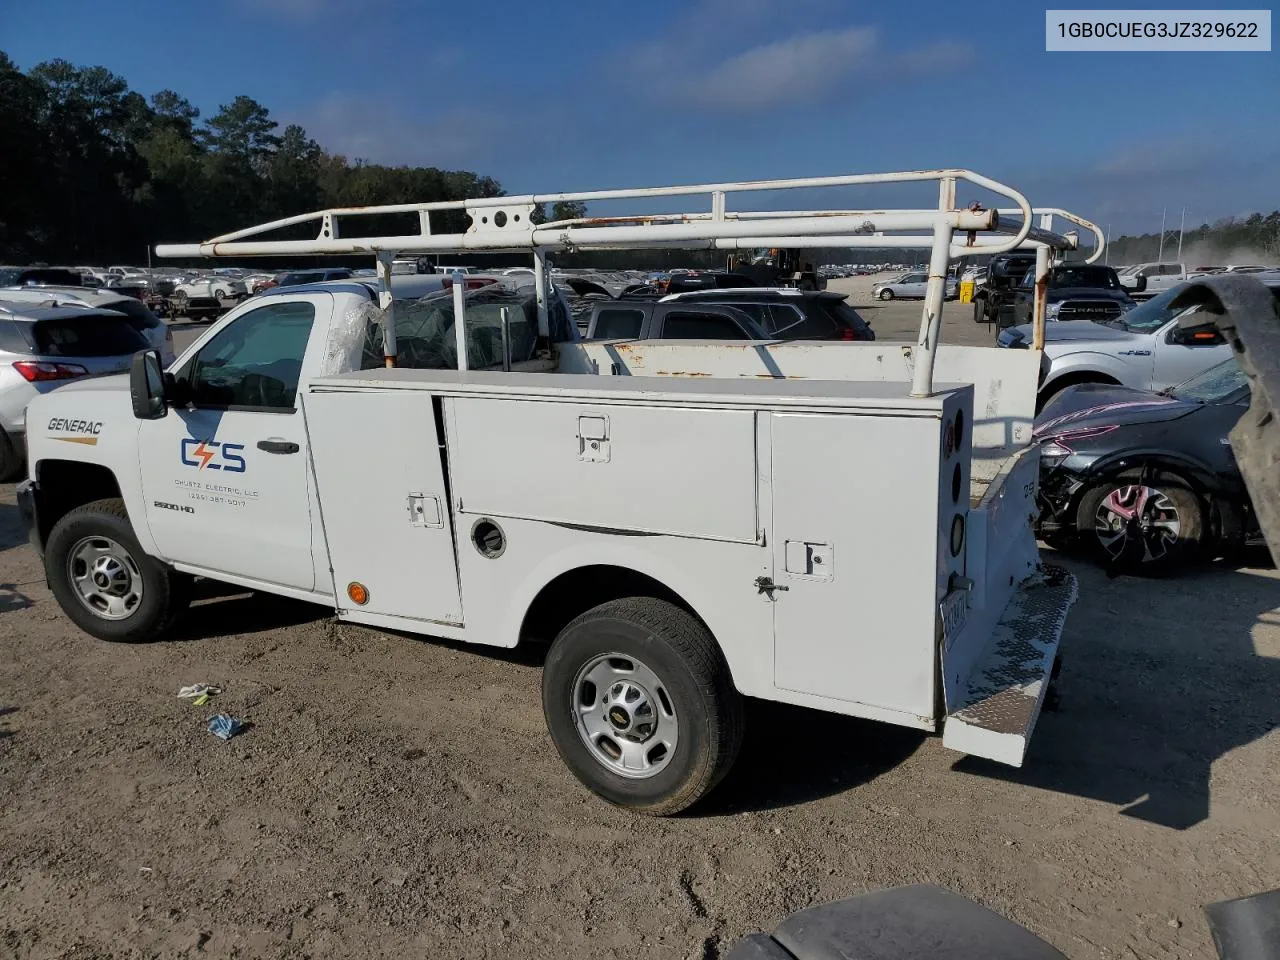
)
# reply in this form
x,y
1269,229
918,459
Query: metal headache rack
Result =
x,y
505,224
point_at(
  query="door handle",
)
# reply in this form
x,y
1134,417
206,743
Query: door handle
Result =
x,y
278,446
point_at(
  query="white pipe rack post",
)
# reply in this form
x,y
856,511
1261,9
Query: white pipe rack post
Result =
x,y
540,292
386,301
460,317
935,293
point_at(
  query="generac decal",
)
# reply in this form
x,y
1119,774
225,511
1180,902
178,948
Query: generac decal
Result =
x,y
81,431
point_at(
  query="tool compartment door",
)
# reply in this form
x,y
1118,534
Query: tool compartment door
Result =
x,y
384,502
648,469
855,545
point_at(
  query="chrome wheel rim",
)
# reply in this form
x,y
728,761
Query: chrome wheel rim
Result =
x,y
1137,514
625,716
106,578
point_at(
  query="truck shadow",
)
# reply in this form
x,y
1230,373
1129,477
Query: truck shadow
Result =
x,y
1160,678
218,609
792,755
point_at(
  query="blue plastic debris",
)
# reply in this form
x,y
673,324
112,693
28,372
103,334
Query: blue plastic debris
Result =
x,y
225,727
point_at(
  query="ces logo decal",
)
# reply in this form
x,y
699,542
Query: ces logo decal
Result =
x,y
211,455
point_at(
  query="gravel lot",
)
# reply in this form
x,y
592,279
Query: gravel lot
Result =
x,y
396,797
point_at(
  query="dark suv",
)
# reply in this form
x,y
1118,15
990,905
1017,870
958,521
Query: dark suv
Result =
x,y
787,314
751,314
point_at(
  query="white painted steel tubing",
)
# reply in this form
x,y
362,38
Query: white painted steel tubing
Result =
x,y
694,233
1098,233
329,241
460,317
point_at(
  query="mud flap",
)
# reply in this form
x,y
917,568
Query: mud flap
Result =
x,y
1248,314
996,715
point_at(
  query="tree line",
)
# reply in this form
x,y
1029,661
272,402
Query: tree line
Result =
x,y
92,172
1255,238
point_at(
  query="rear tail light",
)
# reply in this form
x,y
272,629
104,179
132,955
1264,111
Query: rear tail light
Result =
x,y
848,333
35,370
471,283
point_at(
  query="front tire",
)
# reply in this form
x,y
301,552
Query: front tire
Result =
x,y
640,705
104,581
1139,524
886,294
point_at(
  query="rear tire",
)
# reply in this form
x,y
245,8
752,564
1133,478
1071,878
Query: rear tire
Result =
x,y
979,313
104,581
1134,525
680,724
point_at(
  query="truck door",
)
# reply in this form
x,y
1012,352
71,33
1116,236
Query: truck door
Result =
x,y
225,478
1182,352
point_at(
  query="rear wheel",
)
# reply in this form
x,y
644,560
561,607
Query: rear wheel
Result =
x,y
1142,524
104,581
640,705
979,313
886,294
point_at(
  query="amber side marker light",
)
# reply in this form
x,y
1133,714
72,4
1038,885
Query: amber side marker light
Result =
x,y
358,593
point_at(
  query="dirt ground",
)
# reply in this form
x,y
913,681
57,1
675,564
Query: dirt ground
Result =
x,y
396,797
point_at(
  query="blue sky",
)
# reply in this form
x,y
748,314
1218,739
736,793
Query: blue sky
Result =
x,y
562,95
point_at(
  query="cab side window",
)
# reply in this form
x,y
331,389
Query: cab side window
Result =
x,y
255,363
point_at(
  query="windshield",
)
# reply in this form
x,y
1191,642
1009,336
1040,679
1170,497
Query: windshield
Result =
x,y
1214,385
1153,314
1100,277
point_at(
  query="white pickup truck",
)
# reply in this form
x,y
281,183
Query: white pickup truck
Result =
x,y
688,523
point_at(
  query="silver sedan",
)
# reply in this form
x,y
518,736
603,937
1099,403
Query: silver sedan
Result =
x,y
910,285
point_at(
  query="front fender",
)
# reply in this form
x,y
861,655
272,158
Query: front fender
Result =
x,y
1205,478
1091,362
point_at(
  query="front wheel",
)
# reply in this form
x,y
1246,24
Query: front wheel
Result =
x,y
1141,524
105,582
640,705
886,294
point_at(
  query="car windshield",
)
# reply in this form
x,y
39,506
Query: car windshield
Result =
x,y
1100,277
1214,385
1153,314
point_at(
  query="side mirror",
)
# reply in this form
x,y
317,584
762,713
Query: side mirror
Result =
x,y
146,386
1140,283
1206,335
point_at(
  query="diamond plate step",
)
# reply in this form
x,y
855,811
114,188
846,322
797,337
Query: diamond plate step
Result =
x,y
998,712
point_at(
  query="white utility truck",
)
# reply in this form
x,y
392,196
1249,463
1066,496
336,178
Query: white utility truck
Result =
x,y
689,523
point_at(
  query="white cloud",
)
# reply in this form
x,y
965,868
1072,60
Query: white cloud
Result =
x,y
803,70
804,66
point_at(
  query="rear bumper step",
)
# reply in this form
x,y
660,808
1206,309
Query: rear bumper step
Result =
x,y
998,711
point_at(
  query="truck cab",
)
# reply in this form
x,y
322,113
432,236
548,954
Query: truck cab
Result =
x,y
1150,279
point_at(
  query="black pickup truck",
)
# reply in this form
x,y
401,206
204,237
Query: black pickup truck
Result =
x,y
1076,291
1004,274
